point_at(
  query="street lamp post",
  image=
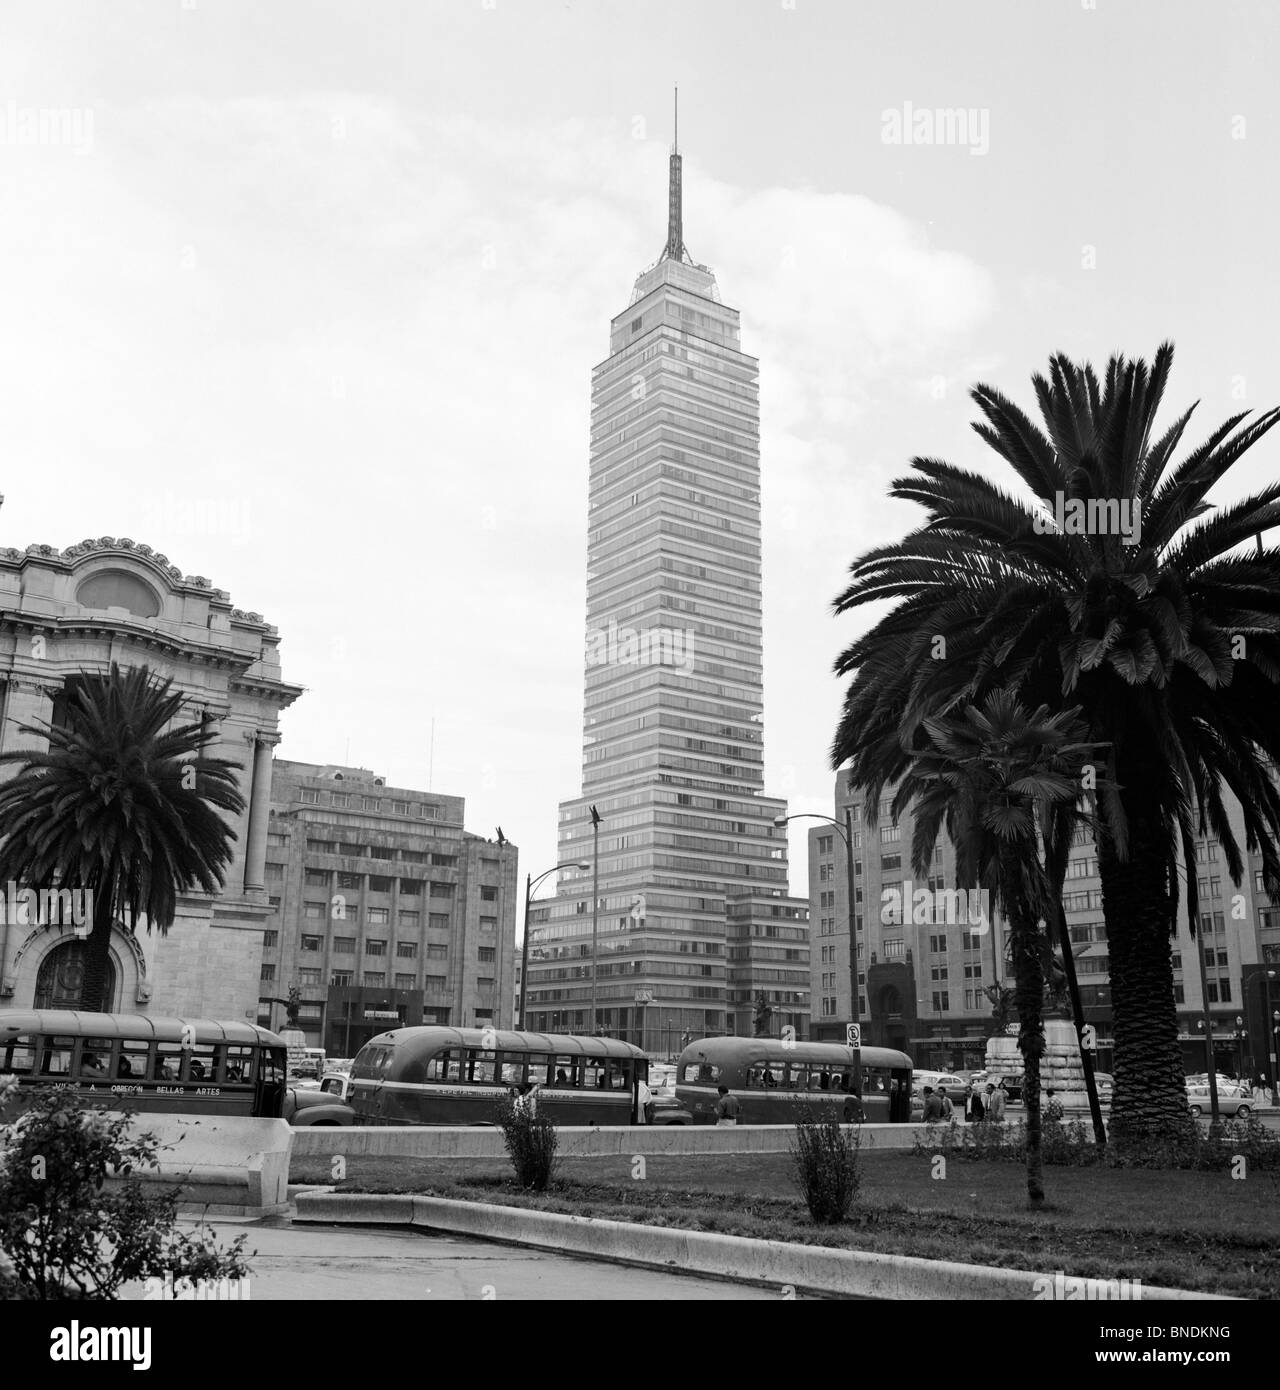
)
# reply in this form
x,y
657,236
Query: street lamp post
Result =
x,y
595,915
530,884
1207,1024
1269,1035
845,832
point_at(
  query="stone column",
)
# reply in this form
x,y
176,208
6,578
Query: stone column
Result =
x,y
255,863
27,701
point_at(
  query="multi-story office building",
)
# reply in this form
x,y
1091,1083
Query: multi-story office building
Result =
x,y
65,613
673,759
383,909
923,961
922,981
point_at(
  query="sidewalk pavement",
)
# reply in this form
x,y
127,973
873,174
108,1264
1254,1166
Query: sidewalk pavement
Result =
x,y
328,1263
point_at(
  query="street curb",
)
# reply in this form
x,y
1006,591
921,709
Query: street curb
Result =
x,y
812,1268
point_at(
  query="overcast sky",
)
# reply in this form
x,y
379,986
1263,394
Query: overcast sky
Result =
x,y
309,298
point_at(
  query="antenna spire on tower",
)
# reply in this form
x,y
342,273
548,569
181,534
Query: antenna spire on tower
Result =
x,y
675,248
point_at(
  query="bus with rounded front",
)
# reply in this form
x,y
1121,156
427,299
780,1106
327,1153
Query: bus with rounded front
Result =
x,y
136,1062
777,1082
458,1076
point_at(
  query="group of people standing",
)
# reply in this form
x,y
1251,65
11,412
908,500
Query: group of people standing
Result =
x,y
978,1104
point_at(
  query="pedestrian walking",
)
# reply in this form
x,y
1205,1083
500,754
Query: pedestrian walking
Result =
x,y
726,1107
1053,1111
932,1106
995,1104
974,1110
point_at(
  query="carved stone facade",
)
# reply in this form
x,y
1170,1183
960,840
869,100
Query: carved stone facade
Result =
x,y
67,612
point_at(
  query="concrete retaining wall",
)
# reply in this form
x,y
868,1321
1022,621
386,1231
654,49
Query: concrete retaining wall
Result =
x,y
485,1141
229,1165
847,1273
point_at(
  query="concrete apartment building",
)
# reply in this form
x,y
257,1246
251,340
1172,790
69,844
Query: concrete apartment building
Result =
x,y
64,613
922,981
693,913
383,909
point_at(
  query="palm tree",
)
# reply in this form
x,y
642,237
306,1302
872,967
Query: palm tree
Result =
x,y
992,776
1170,645
121,804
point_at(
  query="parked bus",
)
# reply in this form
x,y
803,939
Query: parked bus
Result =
x,y
457,1076
776,1082
135,1062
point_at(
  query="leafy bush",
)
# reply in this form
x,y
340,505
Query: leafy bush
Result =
x,y
1072,1145
531,1141
62,1234
826,1164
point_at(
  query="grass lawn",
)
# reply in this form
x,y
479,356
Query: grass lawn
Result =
x,y
1176,1229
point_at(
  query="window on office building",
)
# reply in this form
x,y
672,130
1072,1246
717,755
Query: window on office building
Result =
x,y
941,1001
314,912
268,973
270,940
407,950
375,979
438,921
436,982
308,977
437,951
375,947
488,893
379,916
340,977
404,981
488,924
313,943
411,920
309,796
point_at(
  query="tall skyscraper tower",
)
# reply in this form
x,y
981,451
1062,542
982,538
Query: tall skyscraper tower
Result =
x,y
690,863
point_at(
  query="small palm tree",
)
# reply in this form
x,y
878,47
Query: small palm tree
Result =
x,y
123,804
1164,631
990,775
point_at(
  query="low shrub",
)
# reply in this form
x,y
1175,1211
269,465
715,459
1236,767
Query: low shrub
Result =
x,y
1071,1145
531,1141
63,1235
825,1157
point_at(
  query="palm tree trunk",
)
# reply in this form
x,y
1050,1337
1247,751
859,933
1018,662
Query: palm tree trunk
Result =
x,y
97,958
1028,971
1149,1101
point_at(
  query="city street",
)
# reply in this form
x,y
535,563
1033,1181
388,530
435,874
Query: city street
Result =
x,y
334,1263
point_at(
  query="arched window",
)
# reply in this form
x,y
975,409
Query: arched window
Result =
x,y
118,589
61,975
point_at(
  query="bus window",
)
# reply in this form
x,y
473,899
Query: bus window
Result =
x,y
798,1076
483,1067
541,1071
169,1059
700,1074
239,1063
594,1076
513,1072
565,1071
445,1066
202,1063
95,1058
56,1060
271,1068
134,1060
18,1057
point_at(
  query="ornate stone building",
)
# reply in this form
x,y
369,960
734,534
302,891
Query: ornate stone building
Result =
x,y
67,612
